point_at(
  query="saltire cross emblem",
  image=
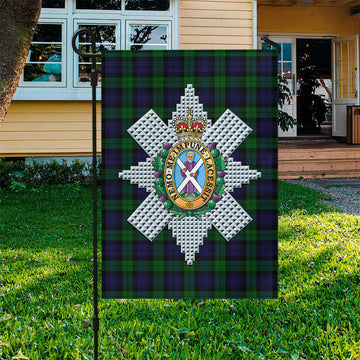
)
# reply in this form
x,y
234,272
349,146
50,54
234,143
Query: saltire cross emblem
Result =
x,y
189,174
188,177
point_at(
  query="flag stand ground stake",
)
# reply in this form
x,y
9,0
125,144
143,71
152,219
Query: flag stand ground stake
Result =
x,y
93,56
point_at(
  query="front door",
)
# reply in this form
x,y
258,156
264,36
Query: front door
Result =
x,y
346,80
286,69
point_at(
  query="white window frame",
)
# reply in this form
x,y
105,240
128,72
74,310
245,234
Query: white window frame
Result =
x,y
147,23
52,84
71,17
77,23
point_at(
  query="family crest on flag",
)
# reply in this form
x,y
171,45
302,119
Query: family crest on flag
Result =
x,y
189,174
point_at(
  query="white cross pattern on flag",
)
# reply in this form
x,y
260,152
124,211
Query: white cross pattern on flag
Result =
x,y
188,177
228,217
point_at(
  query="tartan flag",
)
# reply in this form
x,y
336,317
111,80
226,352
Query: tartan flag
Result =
x,y
189,188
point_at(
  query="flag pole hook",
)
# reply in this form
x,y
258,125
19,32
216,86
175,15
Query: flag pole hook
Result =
x,y
273,43
93,56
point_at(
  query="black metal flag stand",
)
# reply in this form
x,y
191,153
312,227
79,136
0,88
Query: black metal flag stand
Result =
x,y
93,56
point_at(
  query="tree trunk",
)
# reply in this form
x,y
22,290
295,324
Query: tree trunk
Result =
x,y
18,19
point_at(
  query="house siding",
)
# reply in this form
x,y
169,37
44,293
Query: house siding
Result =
x,y
63,128
47,128
214,24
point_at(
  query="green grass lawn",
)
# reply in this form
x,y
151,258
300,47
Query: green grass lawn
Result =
x,y
46,290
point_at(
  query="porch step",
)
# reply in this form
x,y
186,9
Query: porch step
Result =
x,y
306,138
326,160
320,175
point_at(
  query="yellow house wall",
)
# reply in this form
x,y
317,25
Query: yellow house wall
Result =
x,y
306,20
48,128
64,127
216,24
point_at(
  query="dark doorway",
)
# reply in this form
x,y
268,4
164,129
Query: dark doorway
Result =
x,y
314,86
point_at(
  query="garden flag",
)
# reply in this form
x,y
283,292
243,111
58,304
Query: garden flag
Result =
x,y
189,157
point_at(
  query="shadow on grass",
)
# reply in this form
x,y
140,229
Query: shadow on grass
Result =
x,y
326,273
51,293
318,247
58,217
294,198
57,278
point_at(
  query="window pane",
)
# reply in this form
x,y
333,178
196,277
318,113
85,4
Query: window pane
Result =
x,y
44,63
99,47
99,4
105,36
85,72
151,37
266,46
47,33
43,72
286,52
43,52
103,33
159,5
287,70
53,4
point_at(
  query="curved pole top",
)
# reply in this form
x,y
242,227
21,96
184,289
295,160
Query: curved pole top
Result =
x,y
273,43
92,39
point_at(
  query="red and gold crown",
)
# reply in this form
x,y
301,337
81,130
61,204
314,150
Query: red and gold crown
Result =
x,y
189,127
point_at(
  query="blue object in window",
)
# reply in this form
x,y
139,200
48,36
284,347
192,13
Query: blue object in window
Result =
x,y
53,71
53,68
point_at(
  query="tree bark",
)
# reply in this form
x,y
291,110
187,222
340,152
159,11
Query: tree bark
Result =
x,y
18,19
